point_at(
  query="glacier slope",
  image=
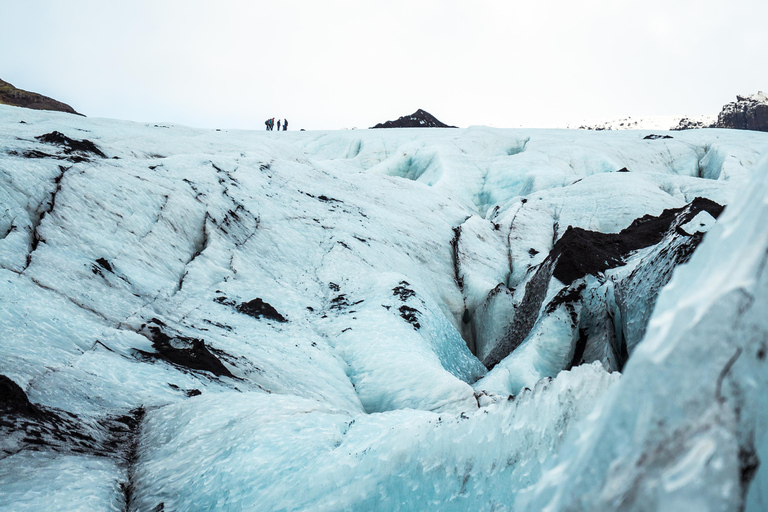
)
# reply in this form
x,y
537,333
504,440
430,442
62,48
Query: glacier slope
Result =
x,y
228,286
685,429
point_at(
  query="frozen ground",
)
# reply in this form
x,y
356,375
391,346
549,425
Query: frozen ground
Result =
x,y
231,320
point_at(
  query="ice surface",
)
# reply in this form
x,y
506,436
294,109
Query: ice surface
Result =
x,y
685,428
34,481
276,452
342,280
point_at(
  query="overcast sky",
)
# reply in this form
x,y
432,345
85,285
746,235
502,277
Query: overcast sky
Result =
x,y
353,63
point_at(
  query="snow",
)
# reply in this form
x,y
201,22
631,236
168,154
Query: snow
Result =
x,y
391,255
760,97
645,123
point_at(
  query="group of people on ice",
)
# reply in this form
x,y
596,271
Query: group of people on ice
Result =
x,y
271,124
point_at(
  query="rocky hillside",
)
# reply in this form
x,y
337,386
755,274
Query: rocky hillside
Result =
x,y
746,113
419,119
10,95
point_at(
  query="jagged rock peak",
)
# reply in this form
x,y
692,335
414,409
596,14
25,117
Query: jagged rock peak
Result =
x,y
746,113
10,95
419,119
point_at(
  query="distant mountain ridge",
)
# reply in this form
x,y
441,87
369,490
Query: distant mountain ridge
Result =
x,y
419,119
746,113
10,95
648,123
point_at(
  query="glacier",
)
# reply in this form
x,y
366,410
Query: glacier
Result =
x,y
406,319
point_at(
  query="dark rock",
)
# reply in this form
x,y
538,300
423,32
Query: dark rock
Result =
x,y
691,124
409,315
101,264
45,428
746,113
12,398
402,291
71,146
580,252
33,153
566,296
456,260
183,351
339,302
257,308
654,137
419,119
10,95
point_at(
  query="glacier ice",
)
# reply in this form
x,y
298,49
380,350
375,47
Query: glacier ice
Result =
x,y
280,452
244,320
685,428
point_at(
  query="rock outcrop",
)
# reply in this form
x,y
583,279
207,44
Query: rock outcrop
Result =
x,y
579,253
10,95
693,123
746,113
419,119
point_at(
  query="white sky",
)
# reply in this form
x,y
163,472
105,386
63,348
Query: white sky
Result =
x,y
327,64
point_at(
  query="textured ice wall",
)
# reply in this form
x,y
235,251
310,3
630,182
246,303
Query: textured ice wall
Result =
x,y
276,452
685,429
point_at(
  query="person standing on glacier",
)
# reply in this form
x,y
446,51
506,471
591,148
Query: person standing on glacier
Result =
x,y
278,125
266,123
285,125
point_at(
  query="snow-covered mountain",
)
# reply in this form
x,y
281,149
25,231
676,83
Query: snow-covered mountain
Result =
x,y
648,123
380,320
748,112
